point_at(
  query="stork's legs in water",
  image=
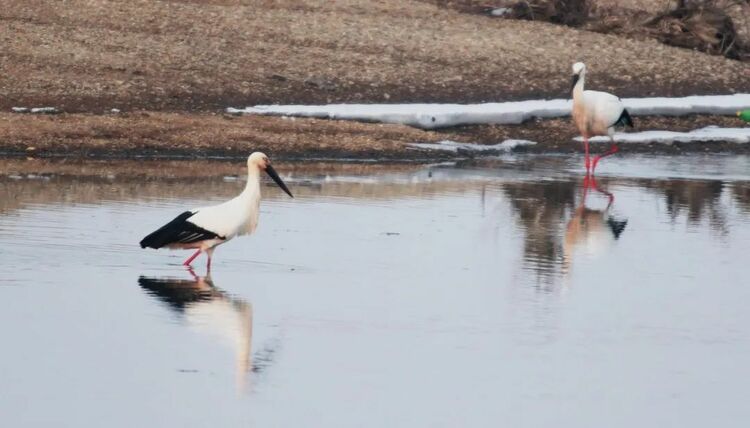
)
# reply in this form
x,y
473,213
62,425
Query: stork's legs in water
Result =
x,y
209,253
191,258
586,185
612,150
586,161
590,182
192,273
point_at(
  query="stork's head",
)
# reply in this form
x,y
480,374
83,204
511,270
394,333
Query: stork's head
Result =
x,y
261,162
579,69
258,160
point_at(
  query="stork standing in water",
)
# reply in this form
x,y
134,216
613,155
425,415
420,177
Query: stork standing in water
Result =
x,y
205,228
596,113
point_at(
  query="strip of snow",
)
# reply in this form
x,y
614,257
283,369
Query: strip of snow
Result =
x,y
35,110
44,110
431,116
710,133
453,146
501,11
425,116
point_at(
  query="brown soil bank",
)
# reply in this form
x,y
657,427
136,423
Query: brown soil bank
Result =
x,y
90,56
717,27
206,135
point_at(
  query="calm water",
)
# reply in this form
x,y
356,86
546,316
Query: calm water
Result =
x,y
480,294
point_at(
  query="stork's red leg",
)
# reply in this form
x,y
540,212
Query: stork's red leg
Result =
x,y
586,185
612,150
191,258
587,161
192,273
609,195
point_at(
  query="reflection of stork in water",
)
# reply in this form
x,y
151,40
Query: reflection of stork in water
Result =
x,y
209,310
593,230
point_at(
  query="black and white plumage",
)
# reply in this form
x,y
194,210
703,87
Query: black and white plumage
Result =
x,y
205,228
178,231
596,113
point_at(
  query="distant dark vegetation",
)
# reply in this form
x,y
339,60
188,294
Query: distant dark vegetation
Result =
x,y
708,26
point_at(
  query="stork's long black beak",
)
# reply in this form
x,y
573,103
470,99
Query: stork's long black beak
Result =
x,y
573,81
272,173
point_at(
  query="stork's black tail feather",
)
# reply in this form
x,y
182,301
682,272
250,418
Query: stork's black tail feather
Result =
x,y
617,226
178,231
625,119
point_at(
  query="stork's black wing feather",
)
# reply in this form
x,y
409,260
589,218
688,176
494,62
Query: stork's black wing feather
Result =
x,y
178,231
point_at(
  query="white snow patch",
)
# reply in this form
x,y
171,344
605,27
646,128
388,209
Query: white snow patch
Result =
x,y
430,116
710,133
454,146
426,116
44,110
35,110
501,11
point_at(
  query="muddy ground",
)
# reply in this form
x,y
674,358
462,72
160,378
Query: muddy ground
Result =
x,y
195,136
171,67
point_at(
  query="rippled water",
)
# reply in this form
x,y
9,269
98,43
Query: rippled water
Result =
x,y
481,294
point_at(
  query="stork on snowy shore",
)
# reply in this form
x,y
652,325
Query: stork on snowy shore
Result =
x,y
596,113
205,228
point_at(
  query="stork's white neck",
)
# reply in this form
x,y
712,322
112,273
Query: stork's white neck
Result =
x,y
578,88
252,188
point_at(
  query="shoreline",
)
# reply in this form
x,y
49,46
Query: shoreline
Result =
x,y
190,136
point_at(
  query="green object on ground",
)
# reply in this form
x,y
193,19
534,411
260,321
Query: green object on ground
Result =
x,y
744,115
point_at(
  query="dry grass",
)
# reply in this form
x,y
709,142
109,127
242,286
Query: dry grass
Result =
x,y
153,59
92,55
716,27
197,136
158,134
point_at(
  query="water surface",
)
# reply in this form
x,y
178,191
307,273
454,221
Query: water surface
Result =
x,y
508,292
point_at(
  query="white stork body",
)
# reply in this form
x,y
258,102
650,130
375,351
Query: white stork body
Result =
x,y
205,228
596,113
235,217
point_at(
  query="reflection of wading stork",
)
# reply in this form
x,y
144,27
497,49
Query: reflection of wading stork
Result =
x,y
596,113
211,311
591,230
